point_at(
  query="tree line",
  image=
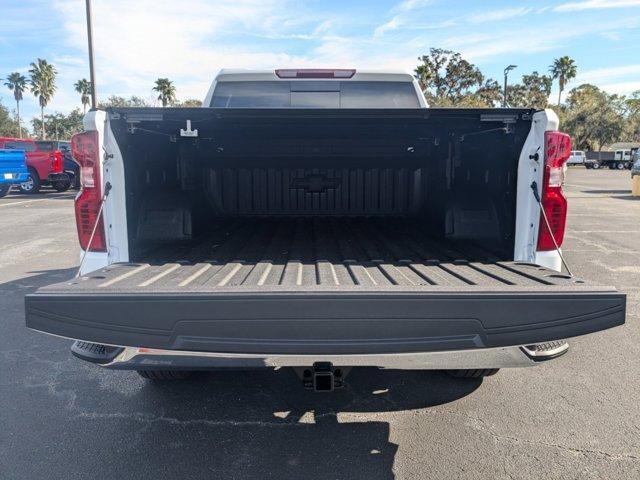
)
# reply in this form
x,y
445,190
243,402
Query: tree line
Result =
x,y
41,81
593,117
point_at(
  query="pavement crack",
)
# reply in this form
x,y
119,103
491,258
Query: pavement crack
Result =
x,y
149,419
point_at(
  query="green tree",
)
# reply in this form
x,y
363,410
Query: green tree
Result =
x,y
83,87
593,117
18,84
60,126
166,91
43,85
447,79
563,69
190,102
122,102
8,125
533,92
632,130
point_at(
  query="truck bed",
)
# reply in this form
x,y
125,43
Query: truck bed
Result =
x,y
316,253
323,285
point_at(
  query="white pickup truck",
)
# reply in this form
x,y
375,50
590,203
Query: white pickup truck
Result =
x,y
321,220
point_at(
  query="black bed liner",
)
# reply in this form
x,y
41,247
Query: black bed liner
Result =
x,y
323,285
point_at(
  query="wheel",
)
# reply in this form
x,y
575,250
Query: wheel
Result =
x,y
164,374
595,166
75,180
5,189
620,166
32,185
473,373
61,185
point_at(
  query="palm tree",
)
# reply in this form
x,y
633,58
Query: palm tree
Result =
x,y
43,85
18,83
83,87
166,90
564,69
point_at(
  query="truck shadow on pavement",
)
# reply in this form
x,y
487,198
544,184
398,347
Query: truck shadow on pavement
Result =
x,y
225,424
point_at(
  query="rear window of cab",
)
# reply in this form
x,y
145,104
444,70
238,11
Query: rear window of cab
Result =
x,y
20,145
314,94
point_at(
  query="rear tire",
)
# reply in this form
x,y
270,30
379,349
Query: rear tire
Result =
x,y
473,373
32,185
164,374
62,185
4,190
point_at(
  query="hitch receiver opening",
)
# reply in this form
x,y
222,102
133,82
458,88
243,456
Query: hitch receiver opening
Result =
x,y
322,376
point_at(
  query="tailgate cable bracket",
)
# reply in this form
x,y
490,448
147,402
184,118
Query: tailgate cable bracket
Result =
x,y
534,188
107,189
188,132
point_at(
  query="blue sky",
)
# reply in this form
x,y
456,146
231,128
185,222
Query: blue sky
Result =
x,y
190,40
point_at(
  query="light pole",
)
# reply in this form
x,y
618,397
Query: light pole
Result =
x,y
506,74
92,74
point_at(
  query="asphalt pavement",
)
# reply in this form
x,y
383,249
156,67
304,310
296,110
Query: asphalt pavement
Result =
x,y
576,417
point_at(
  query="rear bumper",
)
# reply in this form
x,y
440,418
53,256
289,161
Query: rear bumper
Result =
x,y
13,178
131,358
58,177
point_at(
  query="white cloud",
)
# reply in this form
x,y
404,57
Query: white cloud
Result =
x,y
621,88
612,35
392,24
596,5
476,46
607,75
497,15
407,5
136,42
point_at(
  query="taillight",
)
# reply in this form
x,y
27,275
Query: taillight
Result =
x,y
85,150
557,151
57,162
316,73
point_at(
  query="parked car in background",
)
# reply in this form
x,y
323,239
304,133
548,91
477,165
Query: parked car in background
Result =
x,y
44,167
71,167
577,157
13,170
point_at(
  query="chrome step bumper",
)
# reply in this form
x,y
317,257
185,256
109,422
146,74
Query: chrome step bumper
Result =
x,y
137,358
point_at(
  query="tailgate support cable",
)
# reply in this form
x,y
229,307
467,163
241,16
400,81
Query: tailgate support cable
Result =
x,y
107,189
534,187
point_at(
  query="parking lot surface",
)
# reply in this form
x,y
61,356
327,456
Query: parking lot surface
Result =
x,y
576,417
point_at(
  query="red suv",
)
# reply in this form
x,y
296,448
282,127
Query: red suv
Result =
x,y
45,167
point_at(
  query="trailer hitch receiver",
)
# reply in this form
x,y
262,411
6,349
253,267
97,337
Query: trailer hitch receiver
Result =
x,y
322,376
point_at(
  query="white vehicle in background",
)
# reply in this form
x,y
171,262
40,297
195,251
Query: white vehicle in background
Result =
x,y
577,158
622,159
321,220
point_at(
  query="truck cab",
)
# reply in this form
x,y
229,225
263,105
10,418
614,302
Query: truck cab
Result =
x,y
318,88
577,158
622,159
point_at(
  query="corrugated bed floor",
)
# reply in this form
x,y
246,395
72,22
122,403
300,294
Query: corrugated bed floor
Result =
x,y
319,252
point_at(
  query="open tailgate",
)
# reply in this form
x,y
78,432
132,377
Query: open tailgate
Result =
x,y
320,310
